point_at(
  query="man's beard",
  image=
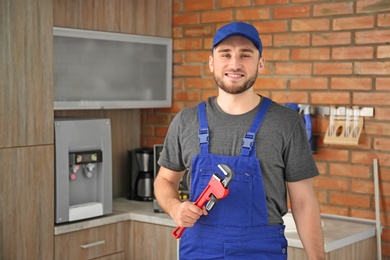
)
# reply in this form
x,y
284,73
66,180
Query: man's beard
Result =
x,y
235,90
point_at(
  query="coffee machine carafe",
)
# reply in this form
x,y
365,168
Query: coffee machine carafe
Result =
x,y
145,176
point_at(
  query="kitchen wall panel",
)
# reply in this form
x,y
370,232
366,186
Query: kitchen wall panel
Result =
x,y
145,17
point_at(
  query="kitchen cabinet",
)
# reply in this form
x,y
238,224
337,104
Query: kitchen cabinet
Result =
x,y
104,242
126,239
26,130
152,241
97,69
361,250
26,73
344,237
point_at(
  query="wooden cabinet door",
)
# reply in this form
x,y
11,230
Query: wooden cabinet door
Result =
x,y
151,241
27,203
92,243
362,250
26,73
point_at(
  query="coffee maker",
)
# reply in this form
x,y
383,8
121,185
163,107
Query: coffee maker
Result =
x,y
143,186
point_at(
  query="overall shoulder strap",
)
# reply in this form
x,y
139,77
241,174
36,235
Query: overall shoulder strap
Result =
x,y
203,133
248,141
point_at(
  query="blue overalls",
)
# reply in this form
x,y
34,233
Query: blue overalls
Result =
x,y
237,226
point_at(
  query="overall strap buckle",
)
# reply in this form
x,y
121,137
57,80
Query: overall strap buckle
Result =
x,y
247,142
203,136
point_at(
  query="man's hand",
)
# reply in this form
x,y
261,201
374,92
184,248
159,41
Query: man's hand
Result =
x,y
186,214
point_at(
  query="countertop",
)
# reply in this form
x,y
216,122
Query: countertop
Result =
x,y
338,231
123,210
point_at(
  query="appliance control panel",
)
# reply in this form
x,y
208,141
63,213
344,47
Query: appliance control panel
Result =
x,y
83,163
85,157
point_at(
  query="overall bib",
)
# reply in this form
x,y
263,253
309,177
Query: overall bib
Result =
x,y
237,226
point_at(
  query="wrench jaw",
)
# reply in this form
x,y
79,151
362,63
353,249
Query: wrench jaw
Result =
x,y
228,172
211,203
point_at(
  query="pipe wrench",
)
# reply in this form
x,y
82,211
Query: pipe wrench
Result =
x,y
216,189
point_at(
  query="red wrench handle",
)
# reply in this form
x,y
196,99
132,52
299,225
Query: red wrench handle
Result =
x,y
178,232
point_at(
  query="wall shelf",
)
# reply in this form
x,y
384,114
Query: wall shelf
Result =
x,y
338,111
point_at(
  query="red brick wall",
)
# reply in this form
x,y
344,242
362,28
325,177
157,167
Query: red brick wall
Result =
x,y
317,52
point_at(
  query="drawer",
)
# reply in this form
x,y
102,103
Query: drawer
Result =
x,y
91,243
117,256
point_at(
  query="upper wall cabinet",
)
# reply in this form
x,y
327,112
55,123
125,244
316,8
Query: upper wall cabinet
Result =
x,y
103,70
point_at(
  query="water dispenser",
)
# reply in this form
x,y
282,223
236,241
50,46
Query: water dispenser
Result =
x,y
83,169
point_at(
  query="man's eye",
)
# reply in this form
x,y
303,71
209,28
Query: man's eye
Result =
x,y
225,55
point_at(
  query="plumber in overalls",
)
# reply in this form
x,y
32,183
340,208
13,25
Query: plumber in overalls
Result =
x,y
266,146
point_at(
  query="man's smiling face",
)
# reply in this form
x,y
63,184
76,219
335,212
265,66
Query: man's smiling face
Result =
x,y
235,63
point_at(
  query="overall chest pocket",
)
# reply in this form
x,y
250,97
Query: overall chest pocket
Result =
x,y
236,208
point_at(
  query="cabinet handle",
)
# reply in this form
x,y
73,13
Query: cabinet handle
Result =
x,y
97,243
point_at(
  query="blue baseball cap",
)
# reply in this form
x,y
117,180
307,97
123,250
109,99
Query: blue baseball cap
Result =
x,y
238,29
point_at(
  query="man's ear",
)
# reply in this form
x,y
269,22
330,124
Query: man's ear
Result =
x,y
261,64
211,63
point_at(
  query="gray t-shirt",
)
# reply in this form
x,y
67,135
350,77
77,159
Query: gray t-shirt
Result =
x,y
281,146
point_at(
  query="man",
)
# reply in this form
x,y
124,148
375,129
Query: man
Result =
x,y
247,224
